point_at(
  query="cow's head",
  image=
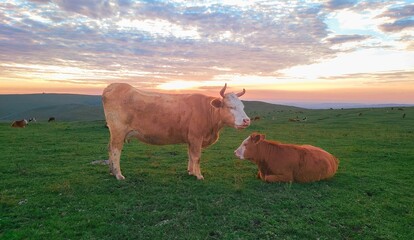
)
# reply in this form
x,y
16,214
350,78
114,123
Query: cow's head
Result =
x,y
246,149
232,109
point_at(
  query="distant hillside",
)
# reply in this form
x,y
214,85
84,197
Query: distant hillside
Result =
x,y
312,105
262,107
73,107
65,107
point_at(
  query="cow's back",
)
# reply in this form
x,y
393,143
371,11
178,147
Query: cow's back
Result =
x,y
315,164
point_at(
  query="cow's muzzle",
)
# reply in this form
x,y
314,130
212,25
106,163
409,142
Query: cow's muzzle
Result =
x,y
238,154
246,123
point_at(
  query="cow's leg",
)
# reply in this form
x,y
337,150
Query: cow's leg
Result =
x,y
115,148
194,156
260,175
190,163
279,178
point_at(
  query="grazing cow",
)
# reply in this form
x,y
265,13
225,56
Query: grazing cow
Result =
x,y
32,119
278,162
161,119
51,119
20,123
255,118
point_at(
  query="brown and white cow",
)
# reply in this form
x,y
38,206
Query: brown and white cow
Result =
x,y
161,119
20,123
279,162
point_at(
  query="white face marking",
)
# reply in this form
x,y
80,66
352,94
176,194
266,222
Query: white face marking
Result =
x,y
237,110
240,151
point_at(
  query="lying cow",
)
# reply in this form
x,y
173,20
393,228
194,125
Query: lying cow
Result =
x,y
20,123
278,162
161,119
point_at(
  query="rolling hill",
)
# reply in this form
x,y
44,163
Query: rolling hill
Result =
x,y
66,107
74,107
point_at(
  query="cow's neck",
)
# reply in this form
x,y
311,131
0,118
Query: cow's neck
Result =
x,y
264,149
214,125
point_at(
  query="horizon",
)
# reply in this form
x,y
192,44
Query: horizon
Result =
x,y
333,51
306,105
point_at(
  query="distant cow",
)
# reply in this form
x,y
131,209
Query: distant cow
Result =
x,y
161,119
278,162
51,119
20,123
255,118
297,119
32,119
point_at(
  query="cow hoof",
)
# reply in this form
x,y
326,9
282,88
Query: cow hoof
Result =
x,y
200,177
120,177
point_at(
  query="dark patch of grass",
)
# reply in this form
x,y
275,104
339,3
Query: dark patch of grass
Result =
x,y
49,189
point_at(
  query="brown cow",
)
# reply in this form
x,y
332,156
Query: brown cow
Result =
x,y
161,119
20,123
278,162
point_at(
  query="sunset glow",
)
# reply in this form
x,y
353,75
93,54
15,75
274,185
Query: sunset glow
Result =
x,y
279,51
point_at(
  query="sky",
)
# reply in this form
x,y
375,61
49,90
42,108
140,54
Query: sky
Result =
x,y
279,51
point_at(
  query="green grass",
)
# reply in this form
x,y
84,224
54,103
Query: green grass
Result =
x,y
49,189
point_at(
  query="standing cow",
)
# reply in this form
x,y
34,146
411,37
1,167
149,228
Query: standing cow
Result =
x,y
161,119
20,123
278,162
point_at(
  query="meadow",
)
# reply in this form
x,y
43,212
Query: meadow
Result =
x,y
50,190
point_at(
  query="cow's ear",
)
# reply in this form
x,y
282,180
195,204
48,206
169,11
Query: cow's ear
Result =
x,y
256,137
262,137
217,103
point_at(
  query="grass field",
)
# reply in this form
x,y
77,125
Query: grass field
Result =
x,y
49,189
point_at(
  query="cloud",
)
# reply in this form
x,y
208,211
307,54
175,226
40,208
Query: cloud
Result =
x,y
398,25
393,77
398,12
401,17
221,34
90,8
340,4
40,1
339,39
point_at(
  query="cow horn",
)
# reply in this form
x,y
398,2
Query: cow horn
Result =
x,y
241,93
223,90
